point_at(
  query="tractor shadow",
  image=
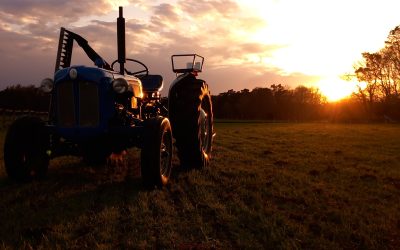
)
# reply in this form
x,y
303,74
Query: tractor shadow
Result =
x,y
71,192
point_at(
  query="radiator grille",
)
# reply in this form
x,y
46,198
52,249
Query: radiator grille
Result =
x,y
87,102
66,105
88,105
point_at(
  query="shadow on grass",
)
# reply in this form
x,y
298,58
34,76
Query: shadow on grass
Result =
x,y
71,193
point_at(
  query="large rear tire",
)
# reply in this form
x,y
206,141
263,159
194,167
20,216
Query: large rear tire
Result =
x,y
25,147
190,112
156,154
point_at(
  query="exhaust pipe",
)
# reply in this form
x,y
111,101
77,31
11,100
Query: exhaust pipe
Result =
x,y
121,41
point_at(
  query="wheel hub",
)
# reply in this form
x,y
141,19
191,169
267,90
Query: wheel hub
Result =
x,y
165,153
204,130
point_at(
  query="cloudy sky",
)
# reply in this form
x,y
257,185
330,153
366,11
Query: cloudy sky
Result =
x,y
246,43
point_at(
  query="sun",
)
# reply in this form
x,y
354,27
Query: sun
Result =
x,y
335,88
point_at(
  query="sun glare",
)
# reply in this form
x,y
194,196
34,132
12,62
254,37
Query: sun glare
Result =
x,y
310,38
336,89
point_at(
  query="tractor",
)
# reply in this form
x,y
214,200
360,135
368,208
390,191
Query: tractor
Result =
x,y
97,111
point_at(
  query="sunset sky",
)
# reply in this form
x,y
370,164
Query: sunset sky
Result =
x,y
246,43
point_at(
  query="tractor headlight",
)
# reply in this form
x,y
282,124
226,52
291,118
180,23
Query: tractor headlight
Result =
x,y
47,85
120,85
73,73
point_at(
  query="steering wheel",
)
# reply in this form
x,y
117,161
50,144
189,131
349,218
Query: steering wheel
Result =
x,y
145,70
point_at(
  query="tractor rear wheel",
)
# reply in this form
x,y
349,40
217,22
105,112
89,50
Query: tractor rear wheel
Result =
x,y
190,112
156,154
25,146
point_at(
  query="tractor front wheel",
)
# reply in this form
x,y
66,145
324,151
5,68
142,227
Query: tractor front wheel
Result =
x,y
156,155
25,147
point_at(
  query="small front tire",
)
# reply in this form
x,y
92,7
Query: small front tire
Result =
x,y
156,155
25,147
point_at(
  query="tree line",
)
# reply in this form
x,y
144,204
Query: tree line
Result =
x,y
280,103
274,103
17,97
379,73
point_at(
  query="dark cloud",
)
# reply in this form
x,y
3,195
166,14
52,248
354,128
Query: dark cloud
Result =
x,y
44,17
24,59
136,26
50,10
165,11
18,44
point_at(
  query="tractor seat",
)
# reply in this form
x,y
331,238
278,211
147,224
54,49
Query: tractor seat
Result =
x,y
151,83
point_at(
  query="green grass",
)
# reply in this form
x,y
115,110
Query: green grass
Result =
x,y
277,186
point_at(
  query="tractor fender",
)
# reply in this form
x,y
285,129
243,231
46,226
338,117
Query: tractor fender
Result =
x,y
179,78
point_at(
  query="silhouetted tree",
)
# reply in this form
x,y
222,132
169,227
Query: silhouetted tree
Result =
x,y
380,71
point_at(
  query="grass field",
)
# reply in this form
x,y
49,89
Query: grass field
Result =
x,y
276,186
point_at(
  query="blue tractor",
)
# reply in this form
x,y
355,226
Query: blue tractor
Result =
x,y
97,111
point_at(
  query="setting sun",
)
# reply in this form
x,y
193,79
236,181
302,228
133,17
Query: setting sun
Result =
x,y
336,89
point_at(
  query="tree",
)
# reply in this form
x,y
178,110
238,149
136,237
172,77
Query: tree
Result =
x,y
380,71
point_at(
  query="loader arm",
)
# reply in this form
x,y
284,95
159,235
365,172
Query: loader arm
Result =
x,y
65,46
